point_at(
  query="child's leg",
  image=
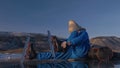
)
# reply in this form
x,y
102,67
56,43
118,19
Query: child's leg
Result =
x,y
44,55
48,55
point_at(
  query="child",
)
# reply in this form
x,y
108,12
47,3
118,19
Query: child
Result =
x,y
77,45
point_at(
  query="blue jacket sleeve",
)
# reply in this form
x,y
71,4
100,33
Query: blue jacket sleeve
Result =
x,y
80,38
73,35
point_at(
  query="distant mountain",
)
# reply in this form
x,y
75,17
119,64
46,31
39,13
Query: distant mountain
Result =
x,y
15,40
111,41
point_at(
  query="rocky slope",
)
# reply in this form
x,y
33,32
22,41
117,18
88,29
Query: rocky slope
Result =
x,y
111,41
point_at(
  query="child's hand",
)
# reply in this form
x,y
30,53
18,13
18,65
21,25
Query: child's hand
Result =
x,y
64,44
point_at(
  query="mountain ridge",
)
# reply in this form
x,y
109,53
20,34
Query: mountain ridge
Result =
x,y
14,40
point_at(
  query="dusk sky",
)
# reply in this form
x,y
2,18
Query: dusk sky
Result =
x,y
99,17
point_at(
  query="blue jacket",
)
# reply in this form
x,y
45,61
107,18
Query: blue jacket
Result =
x,y
79,44
78,49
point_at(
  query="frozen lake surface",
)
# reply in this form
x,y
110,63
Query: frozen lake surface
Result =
x,y
62,64
13,61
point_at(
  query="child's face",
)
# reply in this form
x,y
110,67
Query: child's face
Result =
x,y
71,27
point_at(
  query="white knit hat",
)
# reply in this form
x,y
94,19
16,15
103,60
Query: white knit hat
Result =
x,y
73,26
